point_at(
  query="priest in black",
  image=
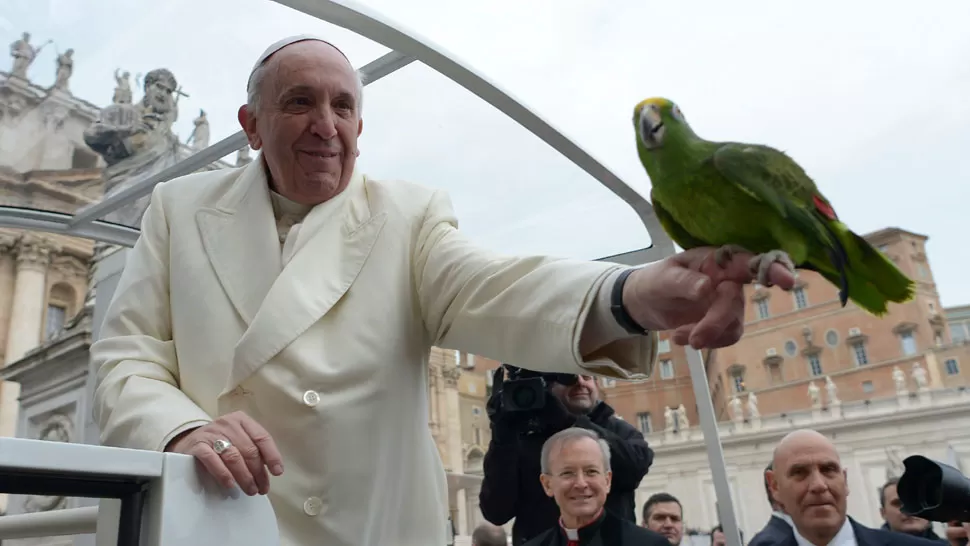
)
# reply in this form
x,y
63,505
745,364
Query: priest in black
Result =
x,y
576,474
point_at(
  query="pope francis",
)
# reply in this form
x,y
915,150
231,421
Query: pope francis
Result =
x,y
281,315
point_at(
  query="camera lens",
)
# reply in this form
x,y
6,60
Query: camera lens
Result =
x,y
524,398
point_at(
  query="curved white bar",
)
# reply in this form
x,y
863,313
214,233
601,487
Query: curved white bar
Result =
x,y
59,222
72,521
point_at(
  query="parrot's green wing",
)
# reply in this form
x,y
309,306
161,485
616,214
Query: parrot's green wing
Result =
x,y
772,177
677,233
769,176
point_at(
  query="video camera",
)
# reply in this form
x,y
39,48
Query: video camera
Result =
x,y
525,390
933,491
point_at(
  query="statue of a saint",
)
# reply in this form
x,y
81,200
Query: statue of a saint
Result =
x,y
23,55
815,394
200,136
899,378
123,90
136,140
682,423
65,67
919,376
668,419
736,411
753,412
833,391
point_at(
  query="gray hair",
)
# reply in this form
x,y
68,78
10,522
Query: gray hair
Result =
x,y
568,436
254,86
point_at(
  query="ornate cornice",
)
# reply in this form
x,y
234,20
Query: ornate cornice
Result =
x,y
70,267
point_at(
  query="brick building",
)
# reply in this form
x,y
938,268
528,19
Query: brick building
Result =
x,y
792,339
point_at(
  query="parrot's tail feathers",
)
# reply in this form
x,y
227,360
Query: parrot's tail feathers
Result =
x,y
843,280
871,279
840,259
882,272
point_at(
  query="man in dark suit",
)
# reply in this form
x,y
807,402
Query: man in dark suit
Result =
x,y
808,480
778,526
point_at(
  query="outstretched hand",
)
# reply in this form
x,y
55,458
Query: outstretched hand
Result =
x,y
689,293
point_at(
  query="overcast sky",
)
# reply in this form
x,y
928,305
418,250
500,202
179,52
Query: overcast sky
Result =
x,y
871,97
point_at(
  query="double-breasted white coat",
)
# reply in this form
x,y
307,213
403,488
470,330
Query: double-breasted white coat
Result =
x,y
329,352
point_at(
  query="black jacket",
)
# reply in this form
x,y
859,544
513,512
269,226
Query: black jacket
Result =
x,y
866,536
511,487
774,532
608,530
927,533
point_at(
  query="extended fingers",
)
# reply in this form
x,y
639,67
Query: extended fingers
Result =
x,y
723,323
268,452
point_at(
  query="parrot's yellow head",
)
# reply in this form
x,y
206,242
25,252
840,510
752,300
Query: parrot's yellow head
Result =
x,y
654,119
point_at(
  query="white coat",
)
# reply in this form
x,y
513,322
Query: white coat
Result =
x,y
329,352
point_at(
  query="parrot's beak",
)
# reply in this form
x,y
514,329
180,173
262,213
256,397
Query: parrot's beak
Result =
x,y
651,127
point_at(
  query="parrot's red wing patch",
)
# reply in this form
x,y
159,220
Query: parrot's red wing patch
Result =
x,y
824,208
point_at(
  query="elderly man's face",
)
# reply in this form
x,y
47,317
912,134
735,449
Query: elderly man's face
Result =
x,y
894,516
578,480
809,481
579,398
307,122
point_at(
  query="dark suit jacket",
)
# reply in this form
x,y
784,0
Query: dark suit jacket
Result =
x,y
776,531
865,536
608,530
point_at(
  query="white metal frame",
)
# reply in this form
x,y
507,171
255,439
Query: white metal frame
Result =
x,y
407,47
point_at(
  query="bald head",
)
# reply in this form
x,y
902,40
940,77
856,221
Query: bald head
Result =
x,y
798,440
487,534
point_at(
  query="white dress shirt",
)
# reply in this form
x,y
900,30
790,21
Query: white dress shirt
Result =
x,y
845,537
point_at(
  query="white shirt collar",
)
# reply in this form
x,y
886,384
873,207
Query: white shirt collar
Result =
x,y
845,537
784,517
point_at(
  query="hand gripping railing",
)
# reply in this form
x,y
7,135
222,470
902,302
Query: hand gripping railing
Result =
x,y
162,499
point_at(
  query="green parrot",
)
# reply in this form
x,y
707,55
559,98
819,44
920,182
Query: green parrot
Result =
x,y
745,197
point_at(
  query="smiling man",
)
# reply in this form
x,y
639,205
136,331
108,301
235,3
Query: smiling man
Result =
x,y
576,473
808,480
514,454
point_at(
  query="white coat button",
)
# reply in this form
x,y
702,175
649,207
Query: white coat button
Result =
x,y
312,506
311,398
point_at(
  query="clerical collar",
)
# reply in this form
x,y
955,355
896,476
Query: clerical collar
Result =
x,y
581,534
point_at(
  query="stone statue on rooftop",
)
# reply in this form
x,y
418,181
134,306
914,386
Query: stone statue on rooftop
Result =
x,y
136,140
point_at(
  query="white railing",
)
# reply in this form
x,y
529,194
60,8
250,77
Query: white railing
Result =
x,y
73,521
148,498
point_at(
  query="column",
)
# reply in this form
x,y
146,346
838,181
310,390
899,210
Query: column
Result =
x,y
29,297
453,442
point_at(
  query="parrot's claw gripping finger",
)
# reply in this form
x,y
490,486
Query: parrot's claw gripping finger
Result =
x,y
761,264
724,254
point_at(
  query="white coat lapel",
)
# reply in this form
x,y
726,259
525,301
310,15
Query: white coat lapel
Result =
x,y
240,239
334,243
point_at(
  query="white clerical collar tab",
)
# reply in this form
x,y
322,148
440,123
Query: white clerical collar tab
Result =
x,y
280,44
572,534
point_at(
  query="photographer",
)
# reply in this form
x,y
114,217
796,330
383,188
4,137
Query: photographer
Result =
x,y
511,486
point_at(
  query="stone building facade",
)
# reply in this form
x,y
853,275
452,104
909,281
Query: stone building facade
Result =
x,y
793,340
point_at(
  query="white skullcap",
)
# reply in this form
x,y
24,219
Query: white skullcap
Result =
x,y
276,46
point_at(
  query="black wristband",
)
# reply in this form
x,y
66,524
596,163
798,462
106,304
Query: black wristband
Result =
x,y
619,311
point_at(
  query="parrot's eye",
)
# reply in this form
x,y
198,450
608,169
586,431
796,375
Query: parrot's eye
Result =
x,y
676,113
